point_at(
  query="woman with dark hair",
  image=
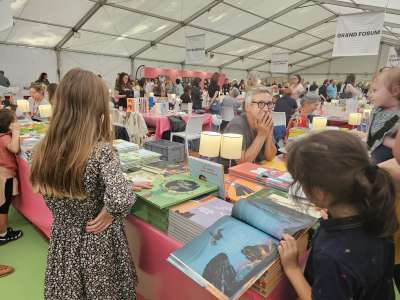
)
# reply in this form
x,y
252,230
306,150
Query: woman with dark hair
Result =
x,y
296,86
185,97
349,90
43,79
196,94
323,89
123,90
214,88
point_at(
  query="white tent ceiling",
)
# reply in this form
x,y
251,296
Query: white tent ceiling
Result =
x,y
240,34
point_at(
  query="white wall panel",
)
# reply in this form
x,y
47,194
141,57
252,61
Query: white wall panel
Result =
x,y
22,65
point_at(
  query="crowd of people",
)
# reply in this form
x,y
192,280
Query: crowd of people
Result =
x,y
352,254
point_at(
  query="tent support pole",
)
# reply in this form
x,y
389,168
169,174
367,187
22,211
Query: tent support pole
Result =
x,y
379,57
58,57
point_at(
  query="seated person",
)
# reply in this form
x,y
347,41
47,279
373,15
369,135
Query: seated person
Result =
x,y
256,126
37,98
309,103
286,104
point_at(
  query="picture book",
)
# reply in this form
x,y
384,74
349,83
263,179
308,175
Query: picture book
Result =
x,y
232,254
124,146
165,168
237,188
171,190
207,170
190,219
267,176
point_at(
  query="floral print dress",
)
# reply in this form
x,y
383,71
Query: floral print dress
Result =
x,y
83,265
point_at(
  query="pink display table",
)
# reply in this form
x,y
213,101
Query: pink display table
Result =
x,y
158,280
161,122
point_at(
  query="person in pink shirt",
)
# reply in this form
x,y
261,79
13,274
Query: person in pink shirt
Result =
x,y
9,147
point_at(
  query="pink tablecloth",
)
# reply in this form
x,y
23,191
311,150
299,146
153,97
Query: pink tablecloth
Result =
x,y
161,123
158,280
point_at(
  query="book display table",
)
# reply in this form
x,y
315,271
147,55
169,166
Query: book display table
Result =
x,y
161,122
149,248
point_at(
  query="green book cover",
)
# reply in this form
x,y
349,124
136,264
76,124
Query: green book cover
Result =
x,y
171,190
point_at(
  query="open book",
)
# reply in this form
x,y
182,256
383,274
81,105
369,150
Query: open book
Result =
x,y
229,257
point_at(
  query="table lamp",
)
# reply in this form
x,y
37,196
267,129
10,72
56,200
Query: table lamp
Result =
x,y
210,143
23,105
319,123
355,119
45,111
231,146
367,112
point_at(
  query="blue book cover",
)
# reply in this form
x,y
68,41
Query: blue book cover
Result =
x,y
229,257
209,171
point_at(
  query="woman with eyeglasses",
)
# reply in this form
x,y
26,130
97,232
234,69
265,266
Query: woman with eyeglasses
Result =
x,y
256,126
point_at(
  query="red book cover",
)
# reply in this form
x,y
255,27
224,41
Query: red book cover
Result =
x,y
267,176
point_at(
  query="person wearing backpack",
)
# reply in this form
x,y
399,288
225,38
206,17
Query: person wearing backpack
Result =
x,y
385,116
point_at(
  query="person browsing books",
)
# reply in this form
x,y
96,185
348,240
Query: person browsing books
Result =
x,y
87,193
256,126
352,252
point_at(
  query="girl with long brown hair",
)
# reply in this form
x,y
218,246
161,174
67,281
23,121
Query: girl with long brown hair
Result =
x,y
76,170
352,252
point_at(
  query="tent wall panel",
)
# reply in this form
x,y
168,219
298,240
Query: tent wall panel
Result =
x,y
23,65
106,66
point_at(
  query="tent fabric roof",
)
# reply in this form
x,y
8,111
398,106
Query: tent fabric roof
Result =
x,y
240,34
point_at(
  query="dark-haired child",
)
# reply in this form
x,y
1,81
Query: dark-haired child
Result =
x,y
352,252
9,147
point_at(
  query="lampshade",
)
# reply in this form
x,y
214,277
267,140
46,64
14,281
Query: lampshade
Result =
x,y
319,122
151,94
231,146
23,105
355,119
173,96
45,110
210,144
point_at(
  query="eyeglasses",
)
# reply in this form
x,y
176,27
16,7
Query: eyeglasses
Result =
x,y
262,104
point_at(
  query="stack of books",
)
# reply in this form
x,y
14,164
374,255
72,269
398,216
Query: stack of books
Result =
x,y
165,168
123,146
136,158
153,204
190,219
269,177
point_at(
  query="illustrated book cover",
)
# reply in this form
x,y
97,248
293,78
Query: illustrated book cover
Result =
x,y
209,171
232,254
237,188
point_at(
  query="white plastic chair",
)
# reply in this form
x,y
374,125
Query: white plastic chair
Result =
x,y
216,120
193,129
227,113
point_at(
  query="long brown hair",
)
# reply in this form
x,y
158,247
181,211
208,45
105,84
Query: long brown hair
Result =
x,y
81,119
337,163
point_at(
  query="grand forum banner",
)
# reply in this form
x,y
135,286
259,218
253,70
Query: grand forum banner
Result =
x,y
358,34
195,49
393,57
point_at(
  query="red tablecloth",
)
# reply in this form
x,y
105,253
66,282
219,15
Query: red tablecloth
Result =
x,y
158,280
339,123
161,122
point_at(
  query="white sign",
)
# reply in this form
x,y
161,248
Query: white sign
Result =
x,y
393,57
6,19
280,62
358,34
195,49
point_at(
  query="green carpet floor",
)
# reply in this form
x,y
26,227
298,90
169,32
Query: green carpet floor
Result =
x,y
28,256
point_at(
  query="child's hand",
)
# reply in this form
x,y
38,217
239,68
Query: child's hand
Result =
x,y
15,127
138,186
289,253
100,223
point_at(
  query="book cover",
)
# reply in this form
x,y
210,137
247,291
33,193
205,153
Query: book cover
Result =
x,y
208,170
232,254
124,146
237,188
267,176
165,167
171,190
